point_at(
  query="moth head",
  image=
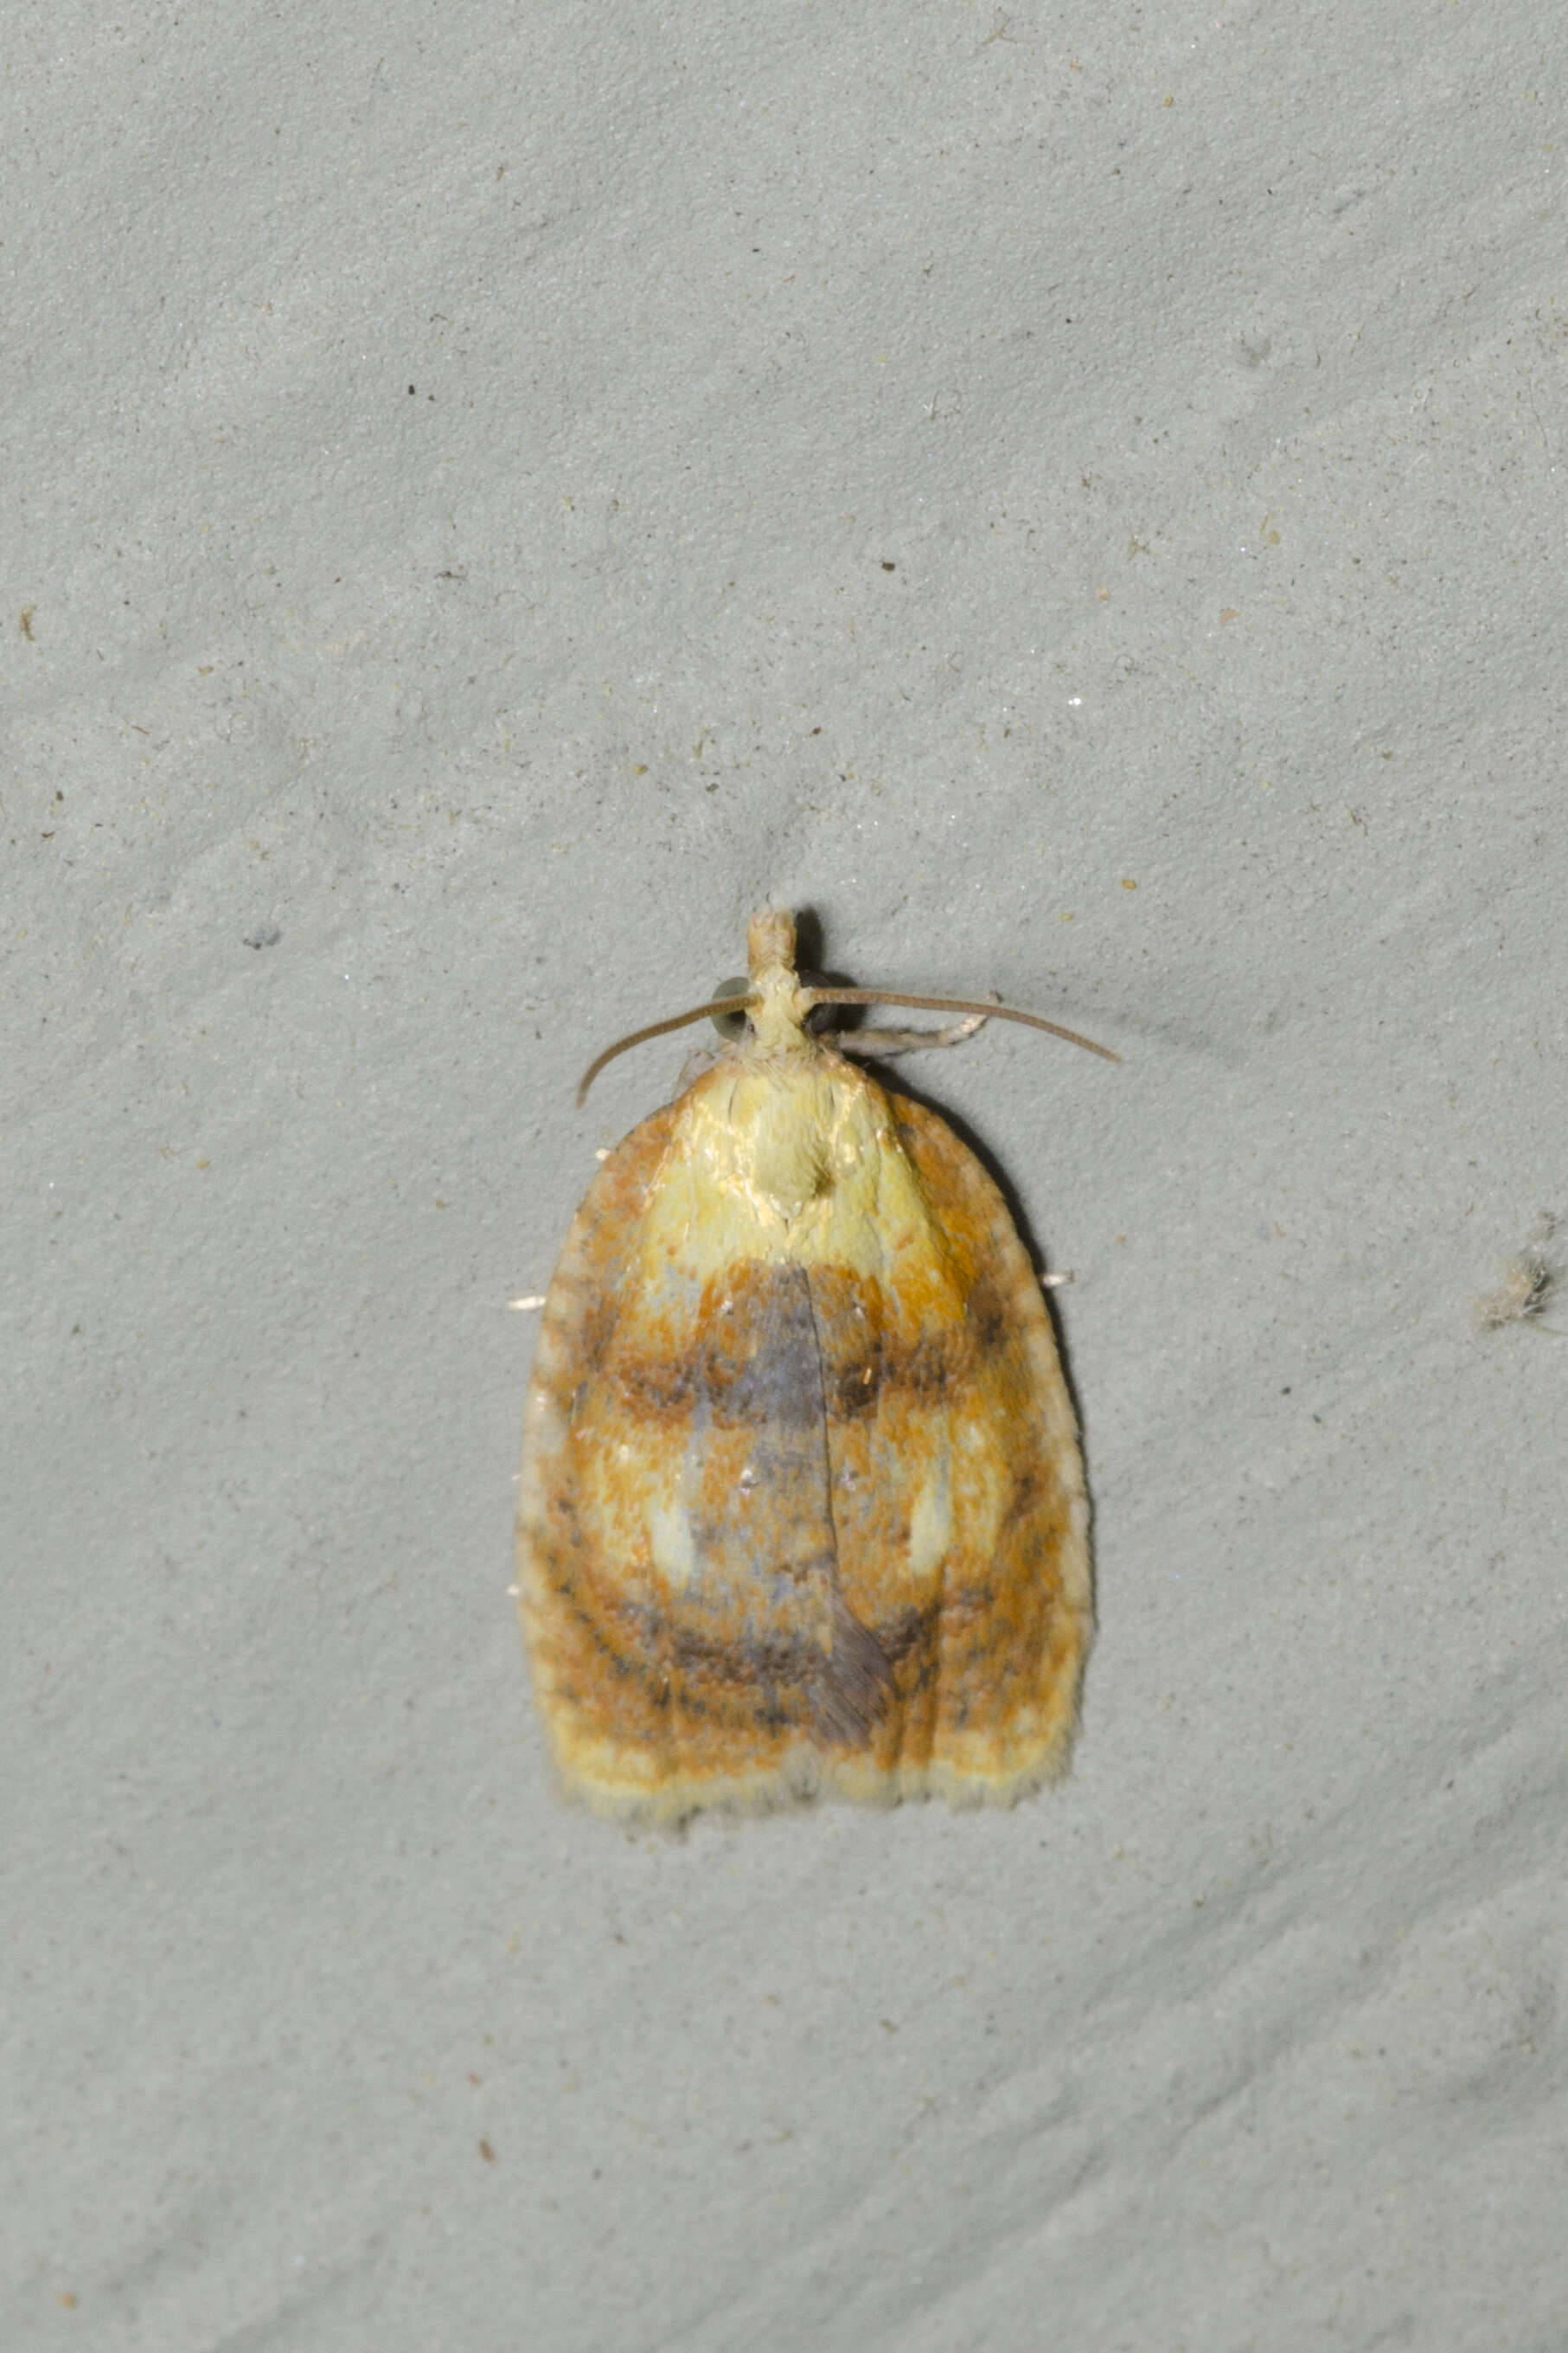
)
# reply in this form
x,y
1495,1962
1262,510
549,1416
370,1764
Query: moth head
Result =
x,y
770,942
773,988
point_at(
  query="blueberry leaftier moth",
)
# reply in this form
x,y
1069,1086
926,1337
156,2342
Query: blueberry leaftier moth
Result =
x,y
802,1507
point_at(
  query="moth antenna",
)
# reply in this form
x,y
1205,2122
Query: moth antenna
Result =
x,y
953,1005
658,1029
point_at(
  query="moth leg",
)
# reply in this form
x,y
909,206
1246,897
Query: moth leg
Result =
x,y
697,1063
885,1043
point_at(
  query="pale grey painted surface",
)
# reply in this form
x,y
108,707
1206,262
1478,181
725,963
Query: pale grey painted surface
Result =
x,y
376,754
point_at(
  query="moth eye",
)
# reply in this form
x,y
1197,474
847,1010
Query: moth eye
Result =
x,y
731,1025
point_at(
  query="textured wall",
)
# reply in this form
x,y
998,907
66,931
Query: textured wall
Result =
x,y
1075,501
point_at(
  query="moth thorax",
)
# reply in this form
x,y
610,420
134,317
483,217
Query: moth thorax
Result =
x,y
770,941
789,1173
781,1149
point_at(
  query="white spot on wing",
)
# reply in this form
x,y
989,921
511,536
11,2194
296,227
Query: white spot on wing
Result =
x,y
930,1522
670,1534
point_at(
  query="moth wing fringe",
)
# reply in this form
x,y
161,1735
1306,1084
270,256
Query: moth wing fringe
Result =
x,y
807,1778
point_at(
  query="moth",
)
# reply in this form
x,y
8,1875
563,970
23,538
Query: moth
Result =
x,y
802,1507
